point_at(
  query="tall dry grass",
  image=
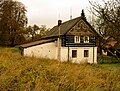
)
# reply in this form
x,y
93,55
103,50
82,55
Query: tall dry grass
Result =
x,y
18,73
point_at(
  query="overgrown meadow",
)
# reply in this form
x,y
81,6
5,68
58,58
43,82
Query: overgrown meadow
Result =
x,y
18,73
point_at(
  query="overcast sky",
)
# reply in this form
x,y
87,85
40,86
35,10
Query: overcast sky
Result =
x,y
47,12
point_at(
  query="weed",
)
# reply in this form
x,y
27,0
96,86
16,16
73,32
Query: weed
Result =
x,y
18,73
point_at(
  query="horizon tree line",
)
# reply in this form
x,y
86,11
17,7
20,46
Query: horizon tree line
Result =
x,y
13,24
14,29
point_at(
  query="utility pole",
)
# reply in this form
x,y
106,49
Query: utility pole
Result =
x,y
71,13
68,52
59,40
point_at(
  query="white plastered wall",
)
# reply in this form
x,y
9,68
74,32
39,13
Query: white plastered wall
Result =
x,y
47,50
80,54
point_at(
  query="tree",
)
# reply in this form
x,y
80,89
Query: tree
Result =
x,y
43,30
36,29
35,32
13,20
107,19
32,31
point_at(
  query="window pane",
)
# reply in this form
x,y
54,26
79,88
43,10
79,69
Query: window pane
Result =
x,y
74,53
86,54
86,39
92,39
81,39
77,39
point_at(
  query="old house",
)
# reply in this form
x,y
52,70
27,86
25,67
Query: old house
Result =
x,y
73,40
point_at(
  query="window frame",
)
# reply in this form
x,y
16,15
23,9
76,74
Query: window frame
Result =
x,y
74,53
81,39
86,39
86,53
77,39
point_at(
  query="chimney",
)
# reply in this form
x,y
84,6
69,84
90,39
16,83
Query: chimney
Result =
x,y
59,22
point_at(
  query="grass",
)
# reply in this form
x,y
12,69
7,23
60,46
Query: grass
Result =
x,y
103,59
18,73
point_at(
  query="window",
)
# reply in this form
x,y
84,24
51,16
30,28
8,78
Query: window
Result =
x,y
86,54
86,39
77,39
81,39
92,39
74,53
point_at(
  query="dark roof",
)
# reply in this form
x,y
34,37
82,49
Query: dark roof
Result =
x,y
66,26
37,43
63,28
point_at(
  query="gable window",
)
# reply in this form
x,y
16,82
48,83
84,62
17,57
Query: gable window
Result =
x,y
92,39
86,39
74,53
81,39
86,53
77,39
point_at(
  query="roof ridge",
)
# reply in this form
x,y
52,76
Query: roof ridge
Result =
x,y
68,21
72,19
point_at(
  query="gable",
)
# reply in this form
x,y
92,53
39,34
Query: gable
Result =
x,y
81,29
65,27
77,26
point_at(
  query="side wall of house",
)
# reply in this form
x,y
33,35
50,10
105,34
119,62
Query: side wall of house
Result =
x,y
47,50
92,54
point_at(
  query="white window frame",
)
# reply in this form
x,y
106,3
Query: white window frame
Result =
x,y
77,39
86,41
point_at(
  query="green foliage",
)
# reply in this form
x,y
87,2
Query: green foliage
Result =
x,y
103,59
12,22
18,73
34,33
